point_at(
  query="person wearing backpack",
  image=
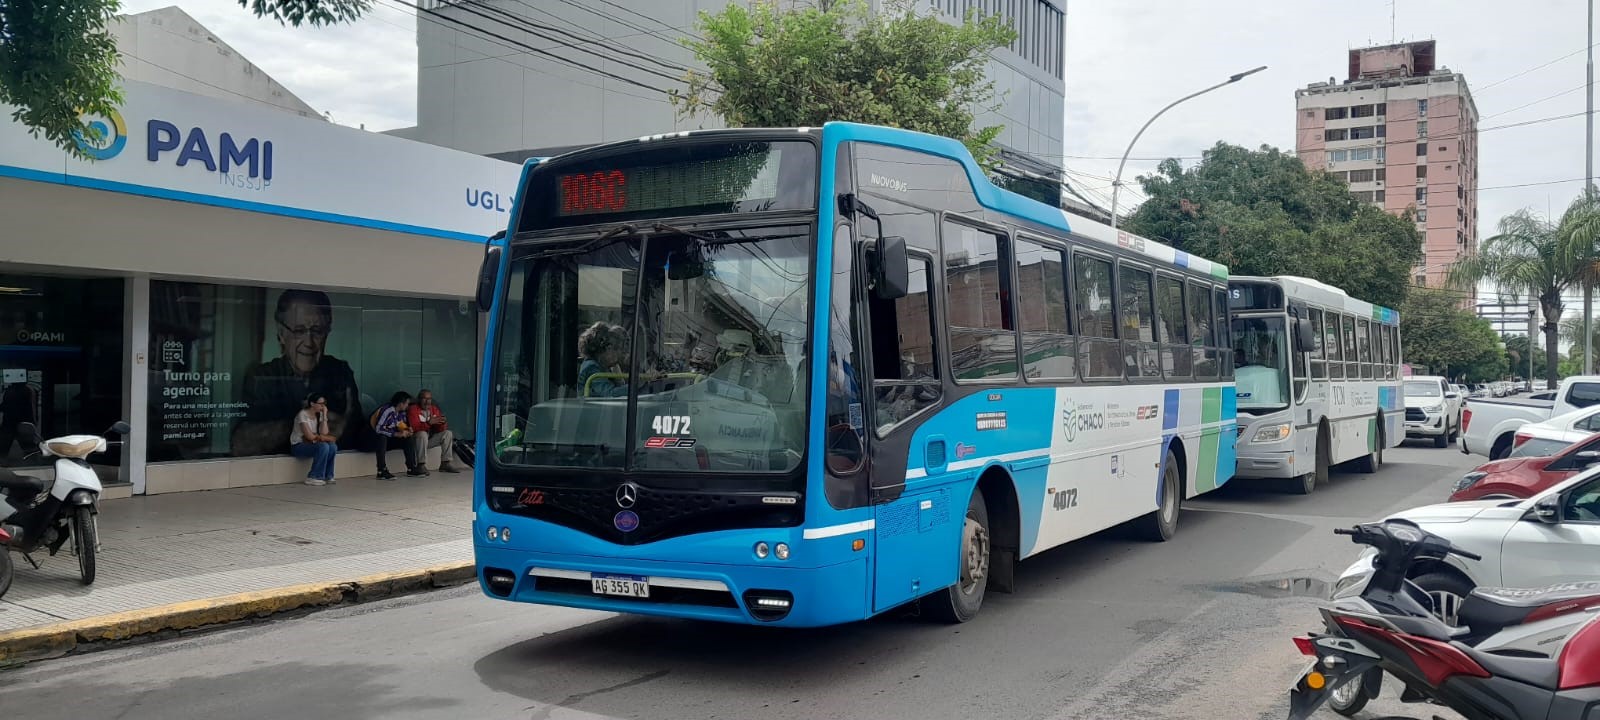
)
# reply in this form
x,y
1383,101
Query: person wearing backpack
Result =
x,y
390,424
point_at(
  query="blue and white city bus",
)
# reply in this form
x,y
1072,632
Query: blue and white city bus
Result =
x,y
801,377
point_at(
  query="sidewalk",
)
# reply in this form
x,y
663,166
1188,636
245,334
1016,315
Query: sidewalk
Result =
x,y
164,549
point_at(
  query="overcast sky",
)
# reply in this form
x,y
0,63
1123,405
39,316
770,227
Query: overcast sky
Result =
x,y
1125,59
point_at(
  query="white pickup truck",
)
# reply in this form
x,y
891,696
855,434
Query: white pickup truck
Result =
x,y
1488,427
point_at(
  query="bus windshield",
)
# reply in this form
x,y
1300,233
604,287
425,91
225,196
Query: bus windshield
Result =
x,y
1260,351
664,351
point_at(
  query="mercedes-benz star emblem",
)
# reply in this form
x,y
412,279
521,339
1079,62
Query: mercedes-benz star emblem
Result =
x,y
627,495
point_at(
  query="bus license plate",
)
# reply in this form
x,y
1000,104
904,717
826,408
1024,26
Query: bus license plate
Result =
x,y
620,585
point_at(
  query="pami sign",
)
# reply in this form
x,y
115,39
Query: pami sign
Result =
x,y
596,192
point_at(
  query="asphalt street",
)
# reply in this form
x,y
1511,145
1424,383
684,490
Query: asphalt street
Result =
x,y
1108,627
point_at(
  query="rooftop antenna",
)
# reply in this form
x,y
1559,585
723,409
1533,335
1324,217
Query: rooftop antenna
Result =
x,y
1392,4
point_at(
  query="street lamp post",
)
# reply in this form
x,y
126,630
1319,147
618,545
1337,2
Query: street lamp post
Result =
x,y
1116,183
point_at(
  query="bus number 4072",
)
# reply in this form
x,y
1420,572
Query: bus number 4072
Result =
x,y
1066,498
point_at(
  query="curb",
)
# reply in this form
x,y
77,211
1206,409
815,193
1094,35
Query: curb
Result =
x,y
56,639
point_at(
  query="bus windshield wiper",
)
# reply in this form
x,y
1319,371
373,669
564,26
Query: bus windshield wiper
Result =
x,y
609,237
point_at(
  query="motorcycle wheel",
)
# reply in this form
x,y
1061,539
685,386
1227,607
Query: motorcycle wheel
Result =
x,y
6,571
1349,699
84,539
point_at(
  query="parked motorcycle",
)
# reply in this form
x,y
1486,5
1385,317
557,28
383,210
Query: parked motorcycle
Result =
x,y
45,514
1517,654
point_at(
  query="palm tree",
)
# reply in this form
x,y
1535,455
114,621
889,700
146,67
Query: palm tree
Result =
x,y
1544,259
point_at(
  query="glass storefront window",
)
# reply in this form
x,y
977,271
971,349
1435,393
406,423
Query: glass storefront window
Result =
x,y
231,365
61,346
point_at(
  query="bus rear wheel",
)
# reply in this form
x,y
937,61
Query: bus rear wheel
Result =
x,y
1371,461
960,602
1162,524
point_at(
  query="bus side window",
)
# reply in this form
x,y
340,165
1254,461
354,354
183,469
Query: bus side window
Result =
x,y
1047,343
1332,345
983,342
1176,361
1352,357
1364,343
1099,356
1224,349
1137,305
1319,363
1205,361
904,362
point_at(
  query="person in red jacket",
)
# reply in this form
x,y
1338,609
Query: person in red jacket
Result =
x,y
431,430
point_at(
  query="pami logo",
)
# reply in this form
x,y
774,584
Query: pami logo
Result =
x,y
887,182
246,164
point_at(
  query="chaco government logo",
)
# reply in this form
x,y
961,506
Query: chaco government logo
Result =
x,y
110,136
1069,420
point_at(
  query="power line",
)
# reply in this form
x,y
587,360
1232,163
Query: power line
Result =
x,y
1502,81
597,39
522,24
635,13
456,21
516,48
1535,102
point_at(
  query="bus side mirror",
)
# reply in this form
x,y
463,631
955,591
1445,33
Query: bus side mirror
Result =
x,y
892,276
488,273
1305,334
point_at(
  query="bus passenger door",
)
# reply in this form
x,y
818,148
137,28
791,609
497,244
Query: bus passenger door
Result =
x,y
906,391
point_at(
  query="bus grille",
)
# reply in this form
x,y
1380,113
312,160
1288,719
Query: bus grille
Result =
x,y
660,513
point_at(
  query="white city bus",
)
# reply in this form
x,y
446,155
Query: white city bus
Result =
x,y
1318,377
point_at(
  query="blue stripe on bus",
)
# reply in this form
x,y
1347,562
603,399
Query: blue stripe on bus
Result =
x,y
1180,258
1169,413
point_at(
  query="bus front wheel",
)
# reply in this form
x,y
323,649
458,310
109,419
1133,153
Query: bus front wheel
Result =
x,y
960,602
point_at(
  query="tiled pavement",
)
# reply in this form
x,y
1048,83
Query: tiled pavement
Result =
x,y
163,549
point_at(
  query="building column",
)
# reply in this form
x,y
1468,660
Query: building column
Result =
x,y
136,381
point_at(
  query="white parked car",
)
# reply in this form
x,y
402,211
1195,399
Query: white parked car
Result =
x,y
1552,537
1433,409
1556,434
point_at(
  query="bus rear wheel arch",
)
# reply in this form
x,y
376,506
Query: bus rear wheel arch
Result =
x,y
989,547
1162,525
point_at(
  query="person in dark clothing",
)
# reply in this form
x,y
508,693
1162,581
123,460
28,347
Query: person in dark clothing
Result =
x,y
393,429
274,390
16,407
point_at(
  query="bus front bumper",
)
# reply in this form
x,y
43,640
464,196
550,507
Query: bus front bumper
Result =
x,y
1272,465
766,594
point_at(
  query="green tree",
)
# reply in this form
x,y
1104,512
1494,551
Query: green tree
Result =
x,y
1436,332
1517,357
1261,212
1534,255
772,65
58,60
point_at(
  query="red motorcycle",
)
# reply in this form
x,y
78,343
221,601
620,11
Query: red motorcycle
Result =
x,y
1517,655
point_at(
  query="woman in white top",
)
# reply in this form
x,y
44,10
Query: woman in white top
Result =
x,y
310,439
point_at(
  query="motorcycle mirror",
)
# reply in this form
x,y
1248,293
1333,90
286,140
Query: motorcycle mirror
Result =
x,y
29,432
119,428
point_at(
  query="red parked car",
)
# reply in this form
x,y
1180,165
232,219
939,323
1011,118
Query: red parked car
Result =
x,y
1523,477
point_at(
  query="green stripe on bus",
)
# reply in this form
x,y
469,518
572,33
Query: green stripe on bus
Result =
x,y
1372,435
1219,270
1210,412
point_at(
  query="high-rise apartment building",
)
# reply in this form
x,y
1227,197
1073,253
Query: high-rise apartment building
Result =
x,y
1403,132
519,78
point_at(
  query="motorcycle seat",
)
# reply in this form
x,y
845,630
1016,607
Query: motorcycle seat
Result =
x,y
1488,608
23,486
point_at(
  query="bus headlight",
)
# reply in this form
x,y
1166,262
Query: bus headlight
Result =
x,y
1273,433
